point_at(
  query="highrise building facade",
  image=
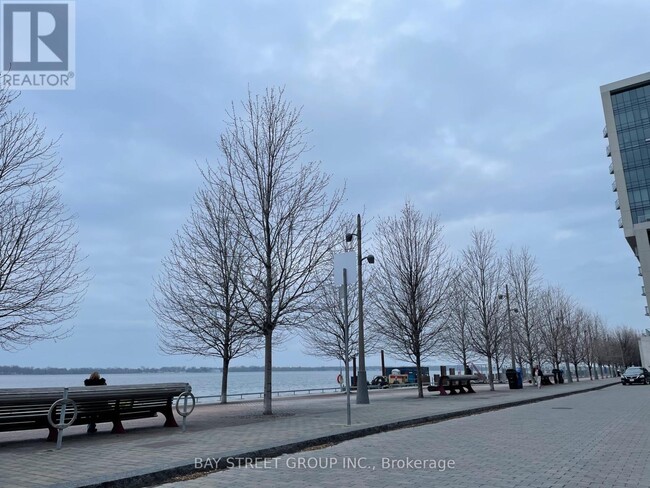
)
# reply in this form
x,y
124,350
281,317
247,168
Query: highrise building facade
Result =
x,y
626,104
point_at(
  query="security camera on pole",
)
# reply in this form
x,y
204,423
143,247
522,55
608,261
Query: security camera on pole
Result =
x,y
362,380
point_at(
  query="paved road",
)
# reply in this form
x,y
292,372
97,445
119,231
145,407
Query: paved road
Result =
x,y
599,438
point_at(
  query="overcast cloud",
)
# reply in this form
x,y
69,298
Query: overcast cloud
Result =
x,y
486,113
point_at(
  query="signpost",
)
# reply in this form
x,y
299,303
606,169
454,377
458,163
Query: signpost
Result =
x,y
345,268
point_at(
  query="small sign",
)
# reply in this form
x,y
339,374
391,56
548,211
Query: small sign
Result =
x,y
345,260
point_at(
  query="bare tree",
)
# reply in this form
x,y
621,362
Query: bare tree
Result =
x,y
199,301
41,284
523,275
552,332
324,332
592,332
414,274
575,336
627,341
456,341
283,216
482,279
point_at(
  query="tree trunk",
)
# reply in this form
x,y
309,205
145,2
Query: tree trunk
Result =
x,y
496,360
575,368
224,379
268,370
490,378
595,371
418,372
591,376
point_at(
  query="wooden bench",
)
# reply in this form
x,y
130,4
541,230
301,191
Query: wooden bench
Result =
x,y
27,408
455,384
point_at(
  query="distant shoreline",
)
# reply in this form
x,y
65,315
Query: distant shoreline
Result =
x,y
16,370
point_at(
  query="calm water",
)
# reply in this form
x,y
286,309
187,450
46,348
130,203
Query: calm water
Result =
x,y
203,384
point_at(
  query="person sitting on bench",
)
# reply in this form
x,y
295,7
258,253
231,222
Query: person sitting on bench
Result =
x,y
94,380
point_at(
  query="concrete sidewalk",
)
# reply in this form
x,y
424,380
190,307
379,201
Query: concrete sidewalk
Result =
x,y
149,454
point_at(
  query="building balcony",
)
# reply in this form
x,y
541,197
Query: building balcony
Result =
x,y
640,273
605,132
643,291
608,150
614,185
611,168
617,204
647,312
620,222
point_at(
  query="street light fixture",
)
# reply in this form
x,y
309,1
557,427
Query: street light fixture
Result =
x,y
512,339
362,380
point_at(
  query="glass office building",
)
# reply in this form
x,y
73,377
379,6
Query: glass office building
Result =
x,y
626,104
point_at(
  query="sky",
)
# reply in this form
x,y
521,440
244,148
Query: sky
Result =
x,y
487,114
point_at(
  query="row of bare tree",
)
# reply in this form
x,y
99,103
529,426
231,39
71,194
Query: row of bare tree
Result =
x,y
254,263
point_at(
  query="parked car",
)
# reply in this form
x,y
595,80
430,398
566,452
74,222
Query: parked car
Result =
x,y
635,374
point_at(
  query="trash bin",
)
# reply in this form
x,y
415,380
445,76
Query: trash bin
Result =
x,y
514,379
560,376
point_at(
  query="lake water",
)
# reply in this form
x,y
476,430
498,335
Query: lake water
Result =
x,y
203,384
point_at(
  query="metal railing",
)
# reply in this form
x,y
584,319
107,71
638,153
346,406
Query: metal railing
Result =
x,y
306,391
260,394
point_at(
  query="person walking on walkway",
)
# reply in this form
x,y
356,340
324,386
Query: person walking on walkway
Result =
x,y
538,374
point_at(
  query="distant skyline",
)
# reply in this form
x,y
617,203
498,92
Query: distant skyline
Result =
x,y
486,114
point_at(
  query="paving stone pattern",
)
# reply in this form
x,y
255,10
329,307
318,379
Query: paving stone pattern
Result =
x,y
596,439
233,430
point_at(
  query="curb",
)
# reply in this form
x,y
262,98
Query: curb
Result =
x,y
233,460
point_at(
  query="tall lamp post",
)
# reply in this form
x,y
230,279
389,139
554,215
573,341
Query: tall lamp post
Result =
x,y
362,380
512,339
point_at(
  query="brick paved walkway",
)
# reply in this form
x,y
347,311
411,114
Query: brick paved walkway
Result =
x,y
599,438
218,431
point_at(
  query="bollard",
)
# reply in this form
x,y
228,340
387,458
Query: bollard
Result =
x,y
59,435
62,424
187,393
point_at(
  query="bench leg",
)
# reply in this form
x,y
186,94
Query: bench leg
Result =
x,y
469,388
442,391
118,428
51,437
461,389
452,390
170,421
